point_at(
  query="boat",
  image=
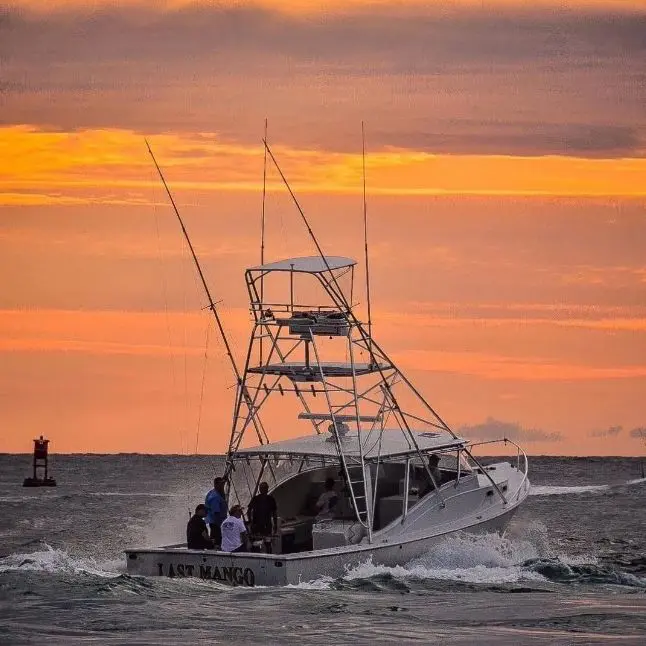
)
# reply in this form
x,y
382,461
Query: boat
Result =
x,y
404,480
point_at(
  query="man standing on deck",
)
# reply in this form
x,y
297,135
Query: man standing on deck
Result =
x,y
234,532
263,515
217,509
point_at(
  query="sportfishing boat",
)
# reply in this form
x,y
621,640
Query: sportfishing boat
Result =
x,y
403,480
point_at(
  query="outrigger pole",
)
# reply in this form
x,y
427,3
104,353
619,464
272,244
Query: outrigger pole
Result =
x,y
262,229
365,239
339,291
242,390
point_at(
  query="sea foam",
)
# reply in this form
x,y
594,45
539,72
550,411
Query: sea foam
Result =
x,y
54,560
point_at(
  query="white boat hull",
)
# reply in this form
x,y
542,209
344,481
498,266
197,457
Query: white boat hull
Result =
x,y
250,569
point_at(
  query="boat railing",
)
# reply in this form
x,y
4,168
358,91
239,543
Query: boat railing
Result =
x,y
292,307
521,458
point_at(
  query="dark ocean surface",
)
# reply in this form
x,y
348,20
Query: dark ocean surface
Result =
x,y
570,570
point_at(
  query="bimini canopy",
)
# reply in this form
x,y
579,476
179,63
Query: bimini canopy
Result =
x,y
307,264
389,444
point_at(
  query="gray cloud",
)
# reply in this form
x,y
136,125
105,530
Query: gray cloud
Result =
x,y
471,82
613,431
524,138
492,429
406,39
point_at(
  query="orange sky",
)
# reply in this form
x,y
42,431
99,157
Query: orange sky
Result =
x,y
506,190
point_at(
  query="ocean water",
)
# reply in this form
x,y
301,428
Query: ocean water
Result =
x,y
570,570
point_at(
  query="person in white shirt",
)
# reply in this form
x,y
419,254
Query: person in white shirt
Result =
x,y
234,531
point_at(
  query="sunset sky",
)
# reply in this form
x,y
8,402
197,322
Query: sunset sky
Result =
x,y
506,175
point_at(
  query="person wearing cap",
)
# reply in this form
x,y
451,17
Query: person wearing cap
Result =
x,y
234,531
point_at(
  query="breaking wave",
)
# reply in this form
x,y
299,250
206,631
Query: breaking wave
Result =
x,y
489,561
547,490
560,491
53,560
488,558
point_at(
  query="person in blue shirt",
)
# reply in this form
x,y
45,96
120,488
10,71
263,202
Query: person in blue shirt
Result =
x,y
216,509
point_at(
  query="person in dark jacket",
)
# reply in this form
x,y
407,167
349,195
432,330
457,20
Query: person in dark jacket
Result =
x,y
263,515
197,536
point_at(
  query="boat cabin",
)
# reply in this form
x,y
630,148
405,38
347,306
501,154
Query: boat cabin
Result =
x,y
391,483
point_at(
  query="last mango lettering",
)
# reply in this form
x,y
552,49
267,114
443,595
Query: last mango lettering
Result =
x,y
233,575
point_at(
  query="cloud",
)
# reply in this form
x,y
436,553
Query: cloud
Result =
x,y
111,167
613,431
489,365
638,433
523,138
493,429
508,78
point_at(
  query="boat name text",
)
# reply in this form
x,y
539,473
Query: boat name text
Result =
x,y
234,575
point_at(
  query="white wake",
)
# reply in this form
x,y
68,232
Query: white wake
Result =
x,y
53,560
468,558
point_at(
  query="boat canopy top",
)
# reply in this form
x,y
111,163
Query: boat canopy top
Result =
x,y
392,443
307,264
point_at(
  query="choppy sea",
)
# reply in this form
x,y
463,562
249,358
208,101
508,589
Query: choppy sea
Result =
x,y
570,570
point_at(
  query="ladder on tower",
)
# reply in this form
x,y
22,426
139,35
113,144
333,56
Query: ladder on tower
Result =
x,y
357,485
353,474
338,429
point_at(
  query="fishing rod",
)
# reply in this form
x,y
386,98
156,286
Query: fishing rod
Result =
x,y
365,239
262,233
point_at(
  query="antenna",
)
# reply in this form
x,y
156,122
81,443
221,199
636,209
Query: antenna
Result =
x,y
262,229
262,217
365,239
